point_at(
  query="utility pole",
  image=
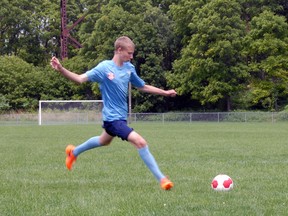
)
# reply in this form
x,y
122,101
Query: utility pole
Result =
x,y
130,102
65,35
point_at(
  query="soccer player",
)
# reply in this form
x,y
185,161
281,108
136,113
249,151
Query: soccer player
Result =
x,y
113,77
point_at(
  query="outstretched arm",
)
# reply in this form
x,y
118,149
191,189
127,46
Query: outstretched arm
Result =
x,y
68,74
154,90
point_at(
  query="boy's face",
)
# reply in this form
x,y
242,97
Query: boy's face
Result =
x,y
126,54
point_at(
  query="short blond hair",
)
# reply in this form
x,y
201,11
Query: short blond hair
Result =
x,y
123,42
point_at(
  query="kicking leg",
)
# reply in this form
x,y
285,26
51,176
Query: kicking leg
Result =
x,y
143,150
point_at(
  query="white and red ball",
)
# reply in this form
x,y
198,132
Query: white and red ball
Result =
x,y
222,182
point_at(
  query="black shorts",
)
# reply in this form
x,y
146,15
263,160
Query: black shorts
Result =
x,y
118,128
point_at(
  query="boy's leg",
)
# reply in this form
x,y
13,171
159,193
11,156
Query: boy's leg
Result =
x,y
72,151
121,129
89,144
151,163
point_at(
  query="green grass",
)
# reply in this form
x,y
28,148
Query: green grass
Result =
x,y
114,181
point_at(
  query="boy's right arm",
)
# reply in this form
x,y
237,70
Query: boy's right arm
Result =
x,y
68,74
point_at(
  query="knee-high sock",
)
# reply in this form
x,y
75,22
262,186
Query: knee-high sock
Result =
x,y
150,162
89,144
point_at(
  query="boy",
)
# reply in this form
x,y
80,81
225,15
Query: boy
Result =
x,y
114,76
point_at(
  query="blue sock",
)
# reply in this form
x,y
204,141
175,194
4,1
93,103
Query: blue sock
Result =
x,y
150,162
89,144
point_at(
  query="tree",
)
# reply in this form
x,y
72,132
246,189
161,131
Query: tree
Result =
x,y
29,29
267,49
230,54
211,66
182,15
21,84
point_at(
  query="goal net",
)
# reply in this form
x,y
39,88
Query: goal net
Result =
x,y
53,112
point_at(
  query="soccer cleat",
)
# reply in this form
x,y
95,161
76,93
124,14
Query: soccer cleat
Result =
x,y
70,159
166,184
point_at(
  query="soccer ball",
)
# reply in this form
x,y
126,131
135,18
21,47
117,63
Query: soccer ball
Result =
x,y
222,182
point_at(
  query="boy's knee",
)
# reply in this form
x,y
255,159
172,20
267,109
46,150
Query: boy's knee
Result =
x,y
137,140
140,143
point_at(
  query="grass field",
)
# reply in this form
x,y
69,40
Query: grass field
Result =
x,y
114,181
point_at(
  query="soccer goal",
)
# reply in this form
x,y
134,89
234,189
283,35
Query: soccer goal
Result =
x,y
53,112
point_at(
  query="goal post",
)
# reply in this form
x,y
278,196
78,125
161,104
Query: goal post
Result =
x,y
53,112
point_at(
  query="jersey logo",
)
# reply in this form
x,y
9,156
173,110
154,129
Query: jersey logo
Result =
x,y
110,76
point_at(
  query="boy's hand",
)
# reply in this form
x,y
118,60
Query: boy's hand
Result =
x,y
55,63
171,93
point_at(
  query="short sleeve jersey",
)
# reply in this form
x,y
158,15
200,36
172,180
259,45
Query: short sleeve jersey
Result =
x,y
113,83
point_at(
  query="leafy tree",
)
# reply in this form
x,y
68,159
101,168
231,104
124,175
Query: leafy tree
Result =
x,y
164,5
21,84
230,54
4,103
27,29
267,48
182,14
211,67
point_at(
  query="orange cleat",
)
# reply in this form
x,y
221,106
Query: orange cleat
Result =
x,y
70,159
166,184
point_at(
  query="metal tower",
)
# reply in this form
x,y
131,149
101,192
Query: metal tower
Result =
x,y
65,35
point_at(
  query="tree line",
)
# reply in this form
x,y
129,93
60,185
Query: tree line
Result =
x,y
218,54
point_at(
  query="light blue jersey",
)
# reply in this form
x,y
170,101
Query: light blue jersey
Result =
x,y
113,82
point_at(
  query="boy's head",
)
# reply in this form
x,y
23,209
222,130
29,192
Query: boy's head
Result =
x,y
123,42
124,48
